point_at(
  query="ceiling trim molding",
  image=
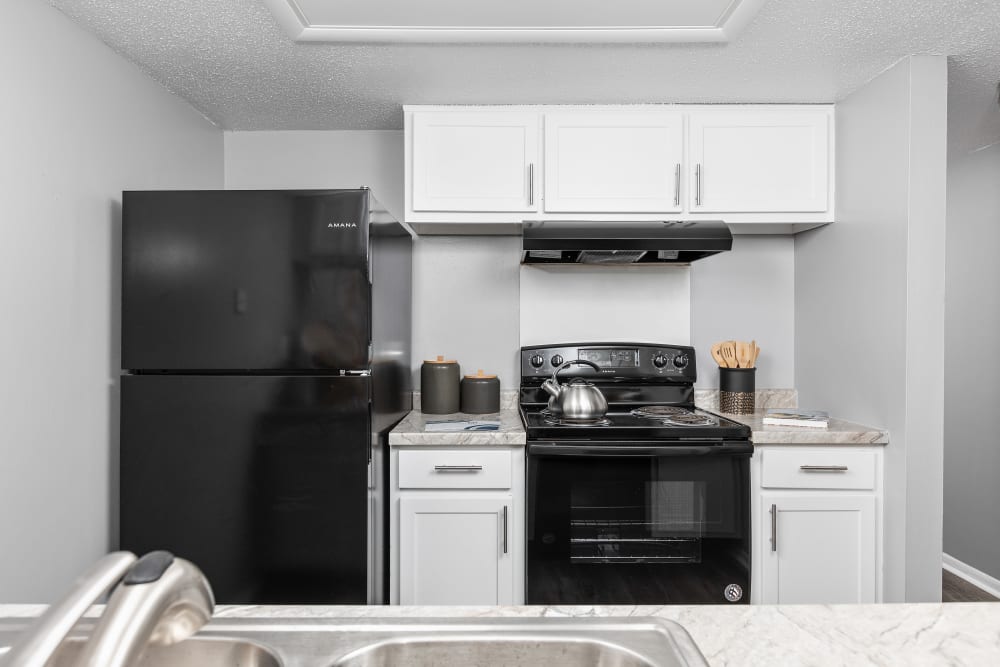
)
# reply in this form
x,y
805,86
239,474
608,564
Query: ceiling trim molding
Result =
x,y
297,26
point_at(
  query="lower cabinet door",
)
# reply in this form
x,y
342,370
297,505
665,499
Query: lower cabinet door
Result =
x,y
818,549
456,549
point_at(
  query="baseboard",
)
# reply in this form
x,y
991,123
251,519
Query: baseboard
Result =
x,y
977,578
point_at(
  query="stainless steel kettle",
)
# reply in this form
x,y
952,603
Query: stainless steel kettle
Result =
x,y
577,400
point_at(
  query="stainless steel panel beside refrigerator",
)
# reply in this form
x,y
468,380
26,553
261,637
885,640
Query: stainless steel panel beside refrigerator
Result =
x,y
265,355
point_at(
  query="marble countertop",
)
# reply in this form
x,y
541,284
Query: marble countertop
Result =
x,y
800,635
839,432
411,431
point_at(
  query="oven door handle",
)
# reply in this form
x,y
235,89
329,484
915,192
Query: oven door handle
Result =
x,y
637,449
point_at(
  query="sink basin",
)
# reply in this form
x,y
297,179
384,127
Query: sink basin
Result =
x,y
441,642
491,652
194,651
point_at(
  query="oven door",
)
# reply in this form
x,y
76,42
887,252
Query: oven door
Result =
x,y
635,523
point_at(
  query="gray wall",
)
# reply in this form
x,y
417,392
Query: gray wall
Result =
x,y
78,125
972,394
465,304
747,294
465,300
869,303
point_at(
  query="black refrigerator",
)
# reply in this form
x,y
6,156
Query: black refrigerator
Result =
x,y
265,356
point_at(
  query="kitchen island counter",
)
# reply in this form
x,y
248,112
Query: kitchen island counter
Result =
x,y
891,634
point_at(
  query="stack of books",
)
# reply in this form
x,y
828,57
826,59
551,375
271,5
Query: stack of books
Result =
x,y
796,417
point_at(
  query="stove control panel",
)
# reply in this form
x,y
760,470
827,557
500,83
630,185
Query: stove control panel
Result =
x,y
617,361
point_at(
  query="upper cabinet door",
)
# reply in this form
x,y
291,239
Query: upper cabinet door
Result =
x,y
759,161
475,161
613,162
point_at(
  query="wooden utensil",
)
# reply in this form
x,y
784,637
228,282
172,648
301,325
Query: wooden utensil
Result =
x,y
728,350
756,353
743,354
717,355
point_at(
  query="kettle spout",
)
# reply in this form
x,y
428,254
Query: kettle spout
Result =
x,y
552,388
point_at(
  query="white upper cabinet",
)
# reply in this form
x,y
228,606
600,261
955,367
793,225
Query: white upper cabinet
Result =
x,y
474,161
761,168
759,160
613,162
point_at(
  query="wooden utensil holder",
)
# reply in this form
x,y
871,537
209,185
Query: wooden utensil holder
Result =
x,y
737,390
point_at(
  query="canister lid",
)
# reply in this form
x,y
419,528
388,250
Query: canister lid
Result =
x,y
480,376
440,360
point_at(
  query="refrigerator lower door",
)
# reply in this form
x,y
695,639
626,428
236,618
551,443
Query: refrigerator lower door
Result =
x,y
262,481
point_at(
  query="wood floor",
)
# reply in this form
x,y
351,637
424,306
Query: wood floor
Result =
x,y
956,589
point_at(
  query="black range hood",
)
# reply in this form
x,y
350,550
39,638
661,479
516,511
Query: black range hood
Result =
x,y
608,242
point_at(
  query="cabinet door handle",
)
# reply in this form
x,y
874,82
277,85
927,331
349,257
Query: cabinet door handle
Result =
x,y
458,468
531,184
505,529
823,468
774,528
677,185
697,185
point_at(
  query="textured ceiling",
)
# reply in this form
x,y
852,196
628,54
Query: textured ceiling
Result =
x,y
231,60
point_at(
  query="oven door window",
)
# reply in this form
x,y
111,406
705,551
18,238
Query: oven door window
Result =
x,y
647,522
637,530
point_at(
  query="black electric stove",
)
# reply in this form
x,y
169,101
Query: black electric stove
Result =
x,y
649,389
648,504
631,424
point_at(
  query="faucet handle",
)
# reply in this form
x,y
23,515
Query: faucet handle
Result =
x,y
162,600
42,639
149,568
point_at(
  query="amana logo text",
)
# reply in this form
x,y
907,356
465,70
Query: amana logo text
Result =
x,y
334,225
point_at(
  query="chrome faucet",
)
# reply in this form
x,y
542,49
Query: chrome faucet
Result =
x,y
160,600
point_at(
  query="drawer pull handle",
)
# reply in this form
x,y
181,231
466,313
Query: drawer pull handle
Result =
x,y
458,468
823,468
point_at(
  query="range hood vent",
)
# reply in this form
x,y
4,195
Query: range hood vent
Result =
x,y
655,242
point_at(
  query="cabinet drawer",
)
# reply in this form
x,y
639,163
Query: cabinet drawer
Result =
x,y
454,469
799,469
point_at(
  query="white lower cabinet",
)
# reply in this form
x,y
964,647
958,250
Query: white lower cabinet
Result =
x,y
818,525
455,549
820,549
456,526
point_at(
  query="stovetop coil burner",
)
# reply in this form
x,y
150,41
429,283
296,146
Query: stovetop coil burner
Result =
x,y
671,415
555,420
690,420
659,411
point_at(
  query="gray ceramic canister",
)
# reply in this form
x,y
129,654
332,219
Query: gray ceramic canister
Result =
x,y
480,394
439,386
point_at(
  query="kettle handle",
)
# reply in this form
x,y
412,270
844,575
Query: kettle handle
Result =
x,y
574,362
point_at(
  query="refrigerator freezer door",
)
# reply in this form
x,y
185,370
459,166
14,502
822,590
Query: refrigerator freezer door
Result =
x,y
245,280
261,481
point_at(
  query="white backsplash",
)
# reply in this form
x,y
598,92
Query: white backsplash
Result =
x,y
569,304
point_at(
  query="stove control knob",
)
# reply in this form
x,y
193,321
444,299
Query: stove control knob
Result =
x,y
556,360
537,361
659,360
681,360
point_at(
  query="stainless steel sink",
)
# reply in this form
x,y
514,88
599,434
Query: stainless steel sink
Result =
x,y
194,651
364,642
490,651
